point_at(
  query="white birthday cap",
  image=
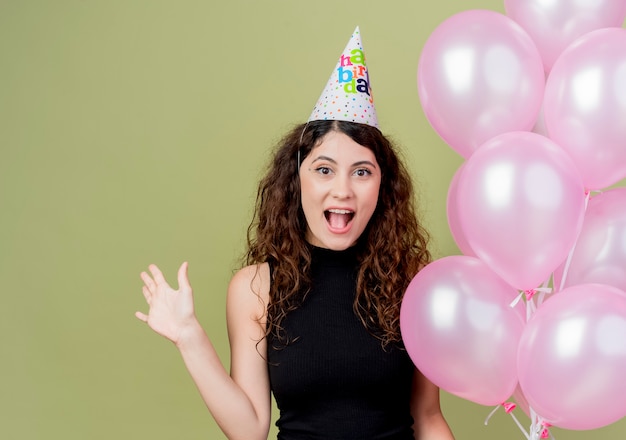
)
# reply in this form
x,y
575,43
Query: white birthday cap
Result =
x,y
348,95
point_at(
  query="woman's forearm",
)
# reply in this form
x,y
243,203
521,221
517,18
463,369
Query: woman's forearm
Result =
x,y
231,408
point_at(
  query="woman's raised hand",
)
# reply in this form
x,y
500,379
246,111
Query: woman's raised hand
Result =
x,y
171,311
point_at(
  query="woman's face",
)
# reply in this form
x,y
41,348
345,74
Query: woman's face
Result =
x,y
340,180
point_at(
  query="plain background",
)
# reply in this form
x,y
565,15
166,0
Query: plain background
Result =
x,y
133,132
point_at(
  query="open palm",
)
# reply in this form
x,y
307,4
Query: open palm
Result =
x,y
171,310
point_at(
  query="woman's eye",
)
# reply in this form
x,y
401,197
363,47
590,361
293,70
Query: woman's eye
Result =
x,y
323,170
362,172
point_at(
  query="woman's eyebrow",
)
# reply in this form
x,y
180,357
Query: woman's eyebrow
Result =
x,y
355,164
329,159
364,162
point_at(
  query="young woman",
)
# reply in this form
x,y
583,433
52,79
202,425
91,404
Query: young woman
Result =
x,y
313,317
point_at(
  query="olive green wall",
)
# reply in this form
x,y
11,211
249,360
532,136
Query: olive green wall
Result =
x,y
134,131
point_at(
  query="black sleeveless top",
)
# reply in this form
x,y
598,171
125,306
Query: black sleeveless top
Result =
x,y
334,381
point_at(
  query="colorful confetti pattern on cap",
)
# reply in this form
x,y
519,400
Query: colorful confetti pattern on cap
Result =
x,y
348,95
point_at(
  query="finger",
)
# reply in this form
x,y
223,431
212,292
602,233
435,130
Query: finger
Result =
x,y
183,277
141,316
157,274
147,294
147,280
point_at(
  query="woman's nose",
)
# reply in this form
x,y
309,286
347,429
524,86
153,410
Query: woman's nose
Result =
x,y
342,188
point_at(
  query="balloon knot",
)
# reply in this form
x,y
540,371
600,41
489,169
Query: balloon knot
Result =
x,y
508,407
545,432
529,294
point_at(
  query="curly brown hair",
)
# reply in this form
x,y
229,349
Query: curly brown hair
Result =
x,y
393,247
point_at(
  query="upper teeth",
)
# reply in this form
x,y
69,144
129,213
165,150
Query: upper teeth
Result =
x,y
340,211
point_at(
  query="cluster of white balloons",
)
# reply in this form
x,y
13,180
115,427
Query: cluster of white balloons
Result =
x,y
535,101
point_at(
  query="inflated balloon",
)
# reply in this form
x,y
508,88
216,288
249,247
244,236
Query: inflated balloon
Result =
x,y
540,124
452,213
521,401
585,105
460,331
600,252
572,357
479,75
521,206
553,25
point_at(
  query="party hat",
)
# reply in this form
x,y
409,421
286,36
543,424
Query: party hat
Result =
x,y
348,95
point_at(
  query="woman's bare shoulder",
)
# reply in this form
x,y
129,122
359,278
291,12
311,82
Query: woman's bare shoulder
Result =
x,y
249,289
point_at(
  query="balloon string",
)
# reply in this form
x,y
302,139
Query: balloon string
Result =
x,y
529,295
508,408
516,300
528,312
539,429
493,411
542,291
571,252
519,425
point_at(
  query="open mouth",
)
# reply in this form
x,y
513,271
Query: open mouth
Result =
x,y
338,218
